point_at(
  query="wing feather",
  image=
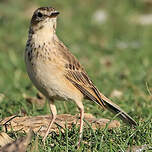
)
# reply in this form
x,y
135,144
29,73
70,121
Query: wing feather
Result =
x,y
80,80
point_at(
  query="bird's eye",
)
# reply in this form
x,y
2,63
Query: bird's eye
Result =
x,y
39,14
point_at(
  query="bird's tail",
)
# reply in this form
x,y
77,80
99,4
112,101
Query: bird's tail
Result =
x,y
116,109
92,93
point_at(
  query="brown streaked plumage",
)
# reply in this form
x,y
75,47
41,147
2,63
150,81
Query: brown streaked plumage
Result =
x,y
56,72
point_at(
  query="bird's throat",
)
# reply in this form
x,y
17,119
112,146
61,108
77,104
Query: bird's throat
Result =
x,y
43,34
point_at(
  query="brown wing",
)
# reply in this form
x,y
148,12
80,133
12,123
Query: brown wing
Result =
x,y
76,74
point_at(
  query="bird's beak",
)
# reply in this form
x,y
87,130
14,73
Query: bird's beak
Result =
x,y
54,14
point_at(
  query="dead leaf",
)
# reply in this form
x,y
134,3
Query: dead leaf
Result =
x,y
116,93
138,148
142,19
5,139
99,16
20,145
106,61
148,2
39,123
39,100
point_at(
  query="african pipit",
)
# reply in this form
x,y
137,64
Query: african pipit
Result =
x,y
56,72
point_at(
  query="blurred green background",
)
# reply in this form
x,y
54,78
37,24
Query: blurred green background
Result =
x,y
113,41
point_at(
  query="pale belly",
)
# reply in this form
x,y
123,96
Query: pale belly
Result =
x,y
49,79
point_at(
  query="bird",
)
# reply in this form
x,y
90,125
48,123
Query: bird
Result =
x,y
57,73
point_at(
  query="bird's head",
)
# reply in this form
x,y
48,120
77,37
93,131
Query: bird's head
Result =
x,y
44,17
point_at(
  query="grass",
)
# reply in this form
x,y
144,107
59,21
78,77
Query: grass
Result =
x,y
116,54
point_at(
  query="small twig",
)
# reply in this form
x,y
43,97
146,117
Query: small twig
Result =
x,y
5,124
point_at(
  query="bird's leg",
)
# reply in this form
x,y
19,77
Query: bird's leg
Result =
x,y
81,108
54,113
